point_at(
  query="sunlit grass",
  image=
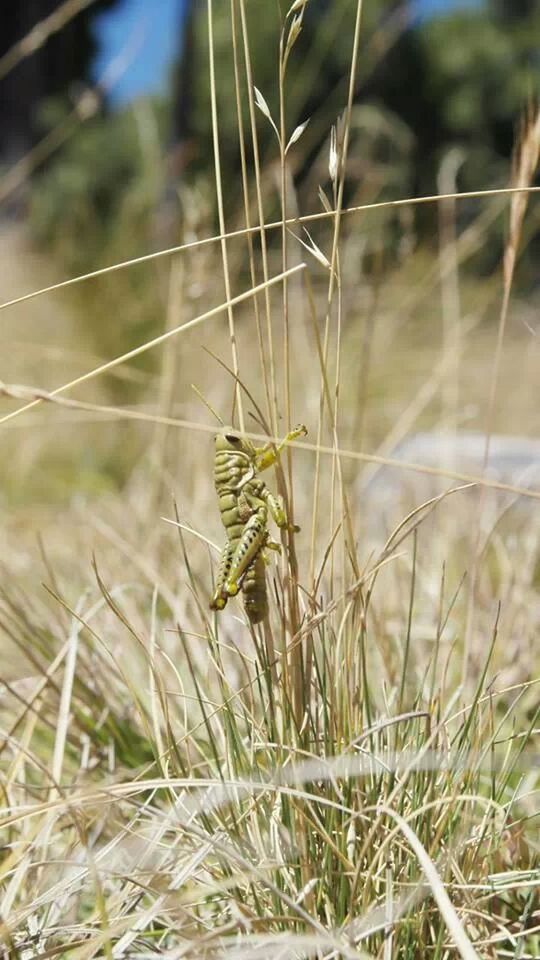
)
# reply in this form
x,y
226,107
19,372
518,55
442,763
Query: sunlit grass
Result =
x,y
340,781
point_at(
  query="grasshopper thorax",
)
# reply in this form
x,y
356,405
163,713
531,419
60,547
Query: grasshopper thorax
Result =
x,y
234,463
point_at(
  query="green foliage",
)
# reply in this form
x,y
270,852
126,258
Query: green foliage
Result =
x,y
317,70
481,72
95,205
462,79
99,183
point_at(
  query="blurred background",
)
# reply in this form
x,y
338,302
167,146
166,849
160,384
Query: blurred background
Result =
x,y
394,344
106,154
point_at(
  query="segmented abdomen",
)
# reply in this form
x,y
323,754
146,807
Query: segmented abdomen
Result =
x,y
230,516
254,590
229,471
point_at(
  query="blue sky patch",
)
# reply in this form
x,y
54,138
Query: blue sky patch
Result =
x,y
149,35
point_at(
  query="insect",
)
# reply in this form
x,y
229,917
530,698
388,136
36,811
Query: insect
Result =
x,y
244,503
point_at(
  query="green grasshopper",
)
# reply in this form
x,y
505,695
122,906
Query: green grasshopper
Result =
x,y
244,503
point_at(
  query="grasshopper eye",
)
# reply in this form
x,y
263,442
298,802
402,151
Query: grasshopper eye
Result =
x,y
231,438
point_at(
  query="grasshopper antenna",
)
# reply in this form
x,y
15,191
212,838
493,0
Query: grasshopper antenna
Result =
x,y
207,404
237,379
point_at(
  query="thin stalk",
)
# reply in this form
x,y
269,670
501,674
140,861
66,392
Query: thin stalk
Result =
x,y
334,263
296,657
274,225
148,345
526,161
409,626
245,190
166,384
272,407
450,292
219,192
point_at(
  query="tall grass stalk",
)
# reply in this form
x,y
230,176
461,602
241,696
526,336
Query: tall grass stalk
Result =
x,y
221,213
179,783
526,161
274,225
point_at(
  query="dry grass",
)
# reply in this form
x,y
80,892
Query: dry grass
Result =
x,y
331,784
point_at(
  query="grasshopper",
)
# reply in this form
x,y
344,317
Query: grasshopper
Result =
x,y
244,503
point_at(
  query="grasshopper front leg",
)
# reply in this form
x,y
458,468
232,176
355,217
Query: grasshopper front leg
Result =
x,y
219,597
277,512
266,456
252,540
275,506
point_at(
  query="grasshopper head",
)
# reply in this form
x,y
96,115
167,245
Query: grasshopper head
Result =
x,y
230,441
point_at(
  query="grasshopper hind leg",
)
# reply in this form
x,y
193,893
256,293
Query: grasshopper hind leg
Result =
x,y
220,596
254,590
252,540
